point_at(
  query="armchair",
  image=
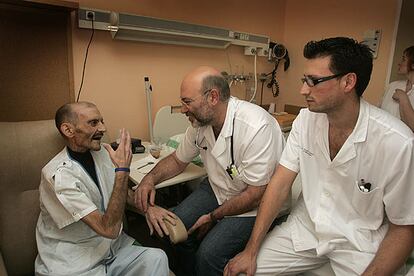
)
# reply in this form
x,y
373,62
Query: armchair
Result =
x,y
26,147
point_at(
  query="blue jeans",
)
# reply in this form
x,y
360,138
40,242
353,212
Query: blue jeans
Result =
x,y
227,238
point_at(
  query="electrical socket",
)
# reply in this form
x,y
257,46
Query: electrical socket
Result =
x,y
262,52
250,51
90,15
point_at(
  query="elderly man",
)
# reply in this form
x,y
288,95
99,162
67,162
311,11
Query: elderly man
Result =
x,y
82,200
356,165
240,145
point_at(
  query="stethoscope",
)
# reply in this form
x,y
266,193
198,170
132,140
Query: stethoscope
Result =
x,y
231,169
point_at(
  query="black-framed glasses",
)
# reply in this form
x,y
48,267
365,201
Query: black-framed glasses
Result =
x,y
187,101
312,81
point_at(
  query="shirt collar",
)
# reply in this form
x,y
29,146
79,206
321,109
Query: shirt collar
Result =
x,y
227,129
361,128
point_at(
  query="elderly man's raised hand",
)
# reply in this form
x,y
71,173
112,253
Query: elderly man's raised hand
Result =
x,y
122,156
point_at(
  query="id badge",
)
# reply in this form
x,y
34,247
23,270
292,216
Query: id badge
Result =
x,y
232,171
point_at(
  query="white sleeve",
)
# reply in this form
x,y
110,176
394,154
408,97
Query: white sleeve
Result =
x,y
290,155
187,150
262,155
63,199
399,191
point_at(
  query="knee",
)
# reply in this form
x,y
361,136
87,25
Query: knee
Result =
x,y
155,257
207,259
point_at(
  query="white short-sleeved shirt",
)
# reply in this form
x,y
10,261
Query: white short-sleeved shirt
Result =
x,y
257,145
390,105
333,210
67,245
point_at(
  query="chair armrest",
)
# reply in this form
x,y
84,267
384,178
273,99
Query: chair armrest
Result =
x,y
3,271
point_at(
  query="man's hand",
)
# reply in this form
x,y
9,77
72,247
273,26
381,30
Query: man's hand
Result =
x,y
144,193
122,157
203,224
155,217
244,262
399,95
168,167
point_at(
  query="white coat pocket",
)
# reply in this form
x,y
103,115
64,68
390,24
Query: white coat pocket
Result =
x,y
367,202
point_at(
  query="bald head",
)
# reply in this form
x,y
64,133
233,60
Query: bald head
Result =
x,y
204,78
68,113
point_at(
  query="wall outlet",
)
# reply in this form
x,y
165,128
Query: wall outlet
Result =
x,y
90,15
250,51
262,52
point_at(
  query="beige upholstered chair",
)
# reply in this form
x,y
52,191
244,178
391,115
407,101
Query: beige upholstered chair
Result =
x,y
25,148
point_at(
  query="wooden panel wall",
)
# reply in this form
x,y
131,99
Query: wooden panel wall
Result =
x,y
35,61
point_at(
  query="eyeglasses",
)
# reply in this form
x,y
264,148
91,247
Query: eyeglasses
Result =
x,y
312,81
187,101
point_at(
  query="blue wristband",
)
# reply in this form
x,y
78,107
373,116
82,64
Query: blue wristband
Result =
x,y
122,170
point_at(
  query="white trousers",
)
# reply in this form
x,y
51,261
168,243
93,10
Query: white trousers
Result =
x,y
133,260
278,257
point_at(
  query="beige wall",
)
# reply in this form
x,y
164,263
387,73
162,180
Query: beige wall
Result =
x,y
318,19
115,69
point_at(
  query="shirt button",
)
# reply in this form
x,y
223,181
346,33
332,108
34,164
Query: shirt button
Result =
x,y
327,194
74,214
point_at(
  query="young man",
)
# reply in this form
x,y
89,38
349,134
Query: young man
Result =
x,y
356,165
240,145
82,200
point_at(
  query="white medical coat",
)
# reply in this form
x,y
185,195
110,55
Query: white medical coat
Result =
x,y
390,105
334,212
67,245
257,146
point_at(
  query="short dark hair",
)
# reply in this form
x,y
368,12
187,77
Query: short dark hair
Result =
x,y
218,82
409,52
65,114
347,56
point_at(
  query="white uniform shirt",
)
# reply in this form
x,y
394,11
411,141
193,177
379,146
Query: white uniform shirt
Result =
x,y
334,211
257,146
67,245
390,105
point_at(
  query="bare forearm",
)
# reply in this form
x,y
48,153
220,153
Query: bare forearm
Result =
x,y
276,194
109,223
393,251
244,202
168,167
112,218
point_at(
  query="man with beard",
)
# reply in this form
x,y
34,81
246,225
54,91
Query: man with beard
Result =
x,y
82,200
356,211
240,145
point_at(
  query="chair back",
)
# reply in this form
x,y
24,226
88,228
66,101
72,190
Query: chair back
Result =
x,y
168,123
26,147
